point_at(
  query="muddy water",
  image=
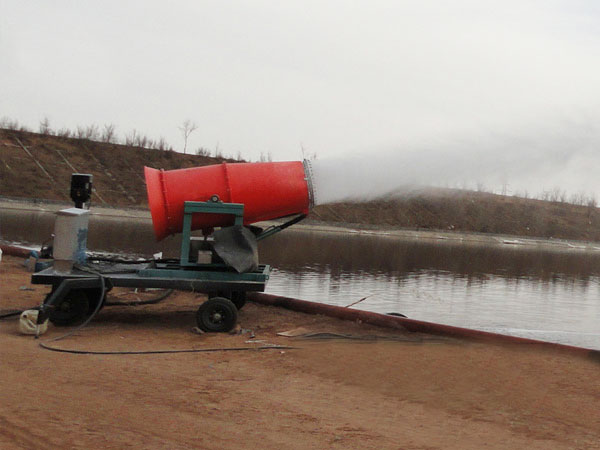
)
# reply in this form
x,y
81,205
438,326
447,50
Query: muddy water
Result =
x,y
541,294
546,294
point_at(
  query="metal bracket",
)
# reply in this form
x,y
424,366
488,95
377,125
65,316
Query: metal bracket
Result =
x,y
277,228
191,208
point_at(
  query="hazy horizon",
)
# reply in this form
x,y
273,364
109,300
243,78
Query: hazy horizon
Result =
x,y
434,92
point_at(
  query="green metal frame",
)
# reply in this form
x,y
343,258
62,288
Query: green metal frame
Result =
x,y
163,271
211,272
191,208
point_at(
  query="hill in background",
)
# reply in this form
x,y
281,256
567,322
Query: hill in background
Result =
x,y
467,211
39,166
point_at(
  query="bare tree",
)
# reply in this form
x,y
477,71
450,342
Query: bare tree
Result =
x,y
80,132
557,195
218,152
591,202
91,132
45,126
131,138
10,124
141,141
64,132
162,144
186,129
201,151
108,134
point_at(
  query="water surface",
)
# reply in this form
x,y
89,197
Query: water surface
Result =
x,y
542,294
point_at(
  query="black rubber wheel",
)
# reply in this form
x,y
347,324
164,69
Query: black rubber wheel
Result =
x,y
239,299
73,309
217,314
93,295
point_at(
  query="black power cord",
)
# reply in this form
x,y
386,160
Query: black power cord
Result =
x,y
159,352
152,301
44,345
11,314
89,319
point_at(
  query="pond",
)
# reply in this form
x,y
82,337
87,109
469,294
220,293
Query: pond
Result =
x,y
542,294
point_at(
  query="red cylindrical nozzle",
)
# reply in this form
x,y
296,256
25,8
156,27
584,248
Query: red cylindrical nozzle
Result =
x,y
267,190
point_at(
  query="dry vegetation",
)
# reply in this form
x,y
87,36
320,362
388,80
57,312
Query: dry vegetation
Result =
x,y
472,212
39,166
36,165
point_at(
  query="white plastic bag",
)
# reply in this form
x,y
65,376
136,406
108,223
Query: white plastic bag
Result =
x,y
28,323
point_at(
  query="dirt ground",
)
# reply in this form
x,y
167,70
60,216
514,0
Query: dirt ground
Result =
x,y
400,391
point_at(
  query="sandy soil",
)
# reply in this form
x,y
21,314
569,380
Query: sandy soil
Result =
x,y
413,392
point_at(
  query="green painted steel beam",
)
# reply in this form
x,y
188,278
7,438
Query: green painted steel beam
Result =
x,y
191,208
260,276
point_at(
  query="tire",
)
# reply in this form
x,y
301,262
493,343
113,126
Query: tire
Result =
x,y
217,314
93,295
239,299
71,310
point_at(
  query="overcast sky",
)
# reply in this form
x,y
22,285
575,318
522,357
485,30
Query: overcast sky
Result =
x,y
337,77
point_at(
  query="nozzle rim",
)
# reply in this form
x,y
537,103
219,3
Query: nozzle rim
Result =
x,y
308,176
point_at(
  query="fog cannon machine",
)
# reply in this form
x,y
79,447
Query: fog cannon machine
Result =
x,y
223,201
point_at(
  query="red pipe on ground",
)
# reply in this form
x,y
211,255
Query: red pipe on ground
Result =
x,y
415,326
15,250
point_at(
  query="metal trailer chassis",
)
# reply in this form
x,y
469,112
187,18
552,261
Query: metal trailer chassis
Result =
x,y
75,294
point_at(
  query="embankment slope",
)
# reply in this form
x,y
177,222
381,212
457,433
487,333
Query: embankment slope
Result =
x,y
37,166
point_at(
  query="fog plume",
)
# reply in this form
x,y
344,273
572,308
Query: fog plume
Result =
x,y
526,160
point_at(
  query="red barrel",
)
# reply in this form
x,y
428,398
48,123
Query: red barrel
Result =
x,y
267,190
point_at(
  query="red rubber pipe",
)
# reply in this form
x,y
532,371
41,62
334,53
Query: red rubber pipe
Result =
x,y
15,250
415,326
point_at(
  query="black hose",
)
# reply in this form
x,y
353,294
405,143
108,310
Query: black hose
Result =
x,y
44,345
129,261
158,352
10,314
141,352
89,319
118,260
152,301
